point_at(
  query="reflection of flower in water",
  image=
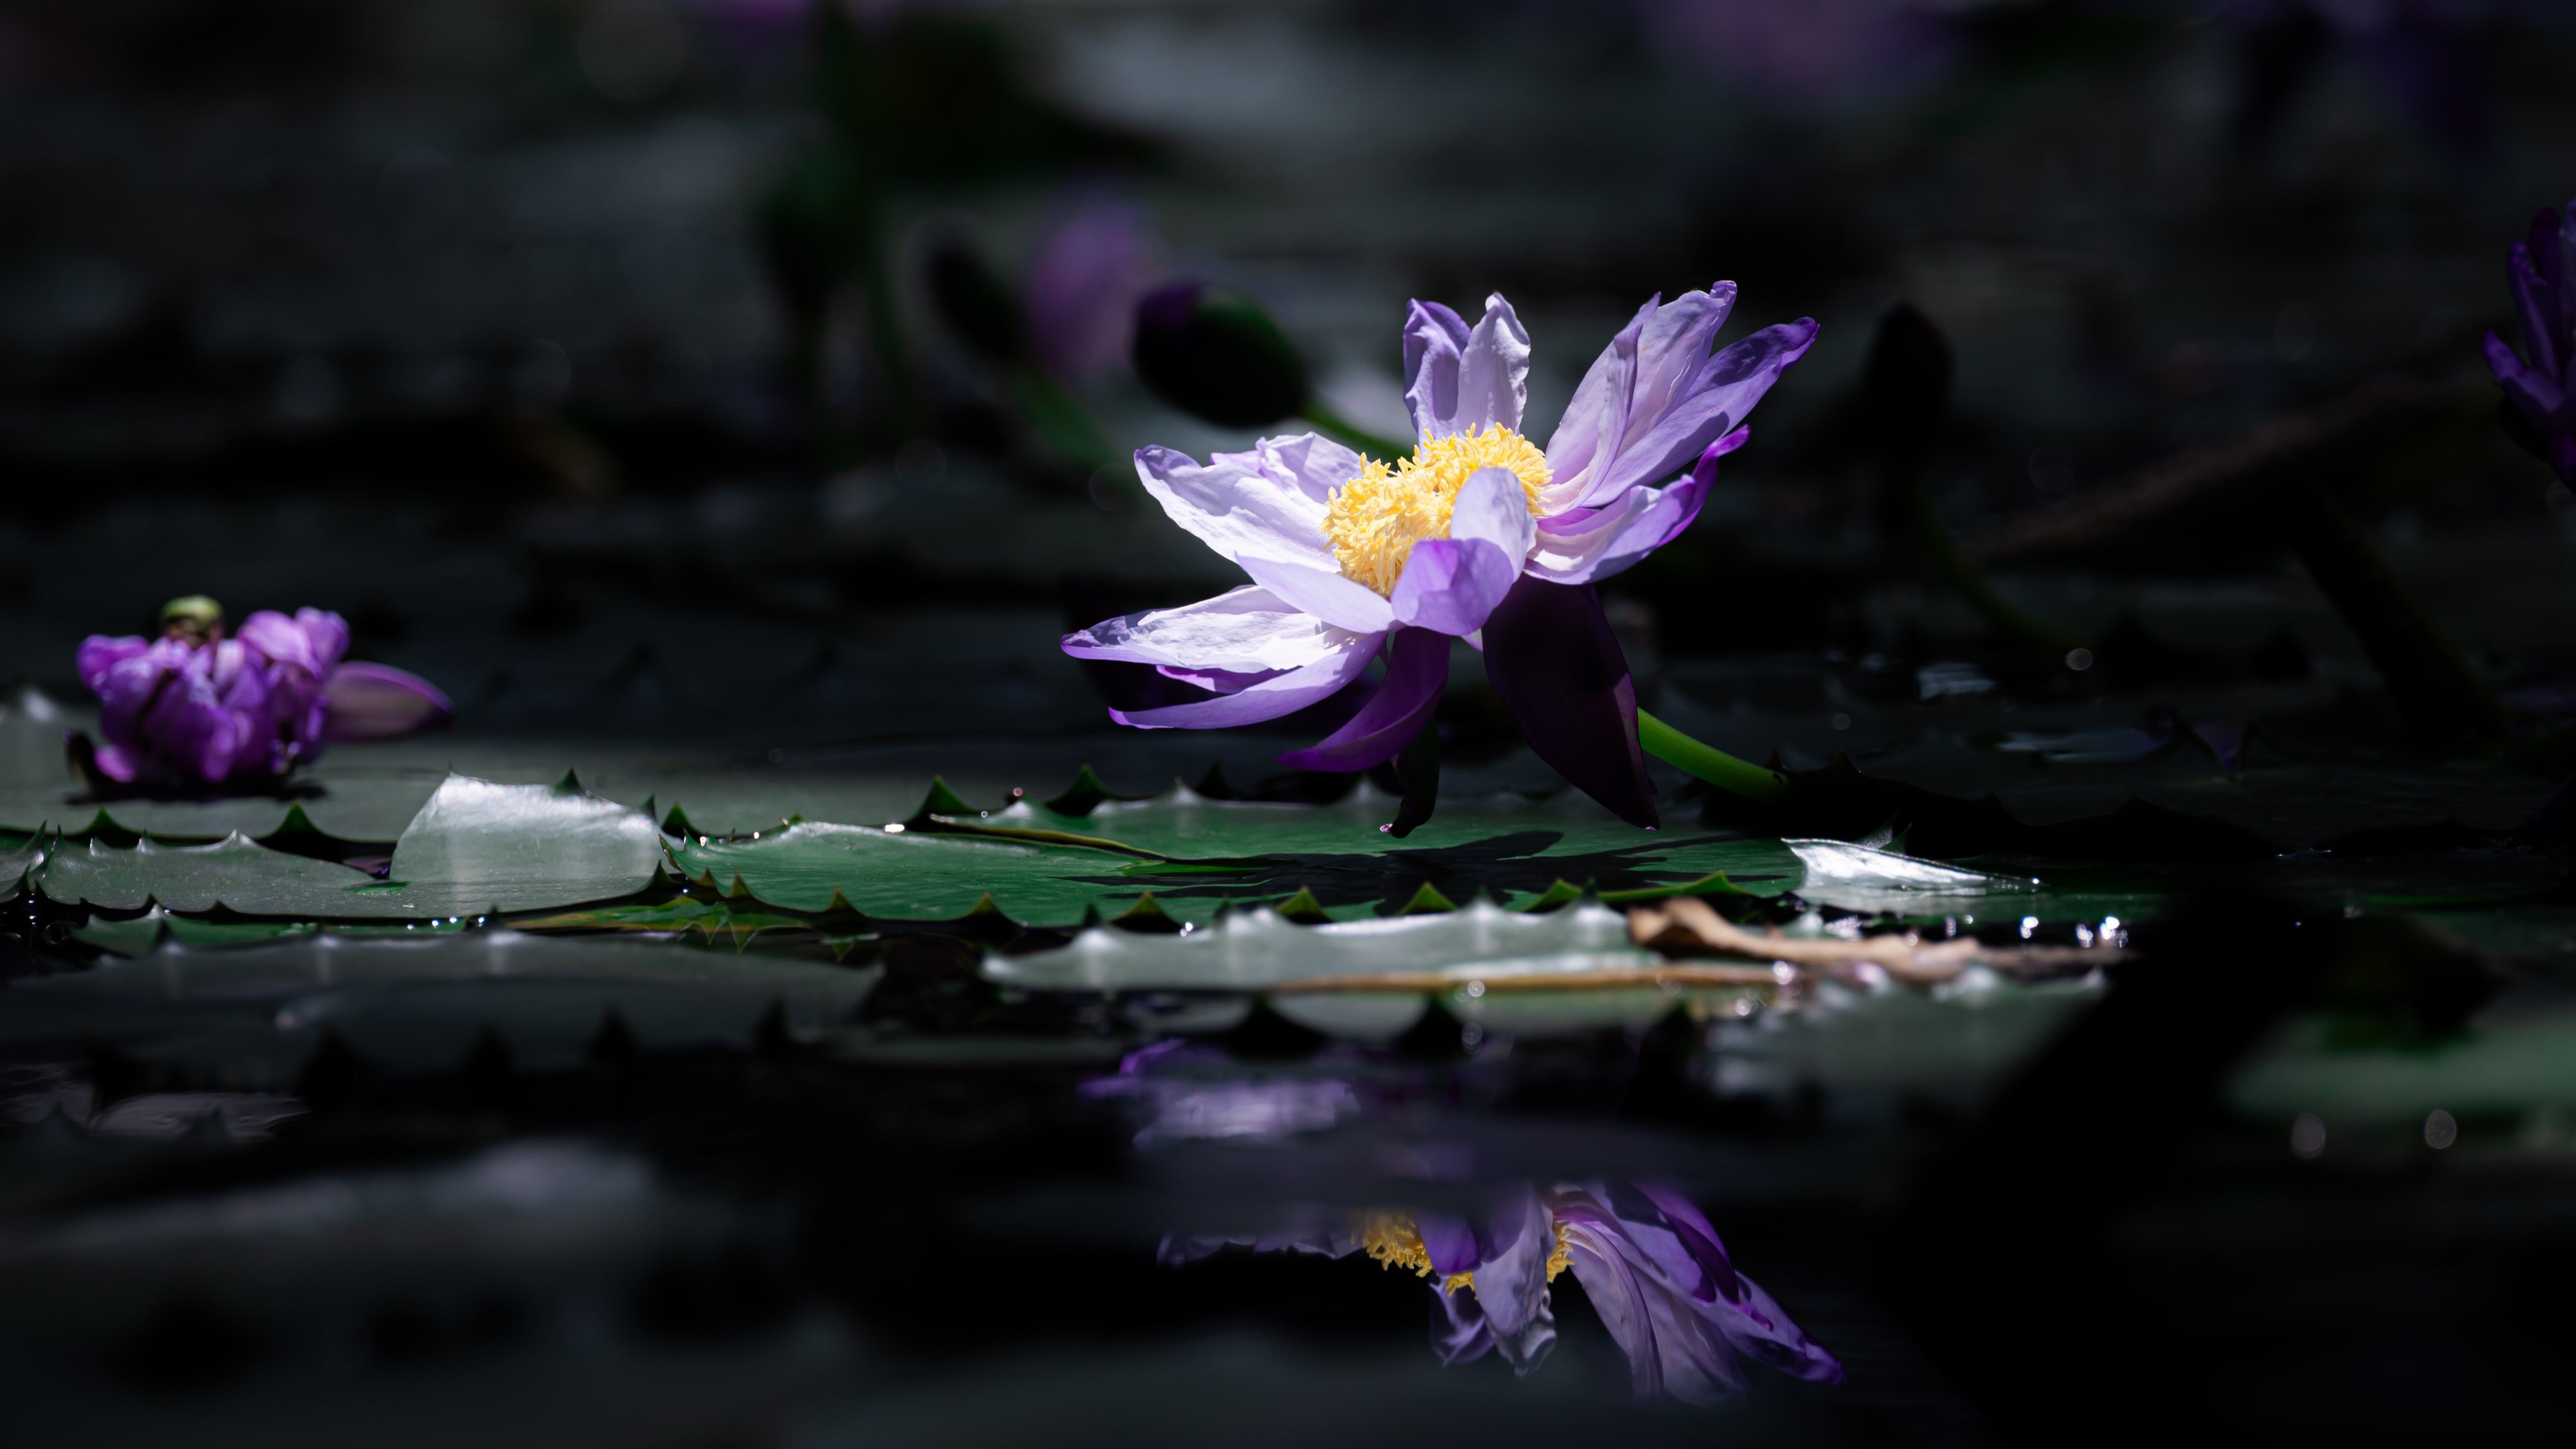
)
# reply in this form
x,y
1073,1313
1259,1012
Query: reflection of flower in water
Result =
x,y
1649,1262
1230,1108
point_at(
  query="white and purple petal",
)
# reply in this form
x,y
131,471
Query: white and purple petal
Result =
x,y
1248,630
1493,371
1266,503
1718,395
1434,339
1323,592
1451,584
1590,544
1276,695
1672,348
1459,379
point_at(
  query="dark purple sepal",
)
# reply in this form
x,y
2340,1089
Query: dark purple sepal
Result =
x,y
1417,669
1552,657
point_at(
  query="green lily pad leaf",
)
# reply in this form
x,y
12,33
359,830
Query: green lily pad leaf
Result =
x,y
476,848
909,875
144,932
235,871
1223,853
17,860
1253,950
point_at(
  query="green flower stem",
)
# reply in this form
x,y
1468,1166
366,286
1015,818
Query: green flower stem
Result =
x,y
1954,569
1706,762
1066,423
1333,426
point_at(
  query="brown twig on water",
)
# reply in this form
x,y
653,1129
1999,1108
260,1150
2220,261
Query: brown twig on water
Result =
x,y
1686,923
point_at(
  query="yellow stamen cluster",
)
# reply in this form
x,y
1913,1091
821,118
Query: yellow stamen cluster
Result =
x,y
1374,520
1392,1239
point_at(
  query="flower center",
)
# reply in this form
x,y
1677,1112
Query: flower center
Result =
x,y
1374,520
1392,1239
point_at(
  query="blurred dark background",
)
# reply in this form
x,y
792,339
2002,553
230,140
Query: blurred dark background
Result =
x,y
730,397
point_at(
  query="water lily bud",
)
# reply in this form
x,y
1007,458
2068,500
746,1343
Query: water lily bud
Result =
x,y
194,618
1216,354
976,303
1908,382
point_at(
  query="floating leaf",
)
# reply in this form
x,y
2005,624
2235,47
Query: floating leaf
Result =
x,y
1259,949
476,848
524,847
1865,878
144,932
1222,853
235,872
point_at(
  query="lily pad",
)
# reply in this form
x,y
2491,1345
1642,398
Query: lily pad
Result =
x,y
476,848
1255,949
1196,856
152,928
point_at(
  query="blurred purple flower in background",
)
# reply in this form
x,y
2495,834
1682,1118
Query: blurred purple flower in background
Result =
x,y
2540,385
1477,535
1647,1259
1811,55
1083,283
194,709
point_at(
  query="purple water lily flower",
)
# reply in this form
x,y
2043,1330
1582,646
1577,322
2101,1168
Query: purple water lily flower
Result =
x,y
2541,383
194,708
1647,1259
1479,535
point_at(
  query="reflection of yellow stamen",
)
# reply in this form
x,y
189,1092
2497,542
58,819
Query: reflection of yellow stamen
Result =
x,y
1392,1239
1374,520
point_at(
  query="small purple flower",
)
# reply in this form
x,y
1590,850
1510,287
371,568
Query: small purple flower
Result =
x,y
193,708
1083,284
1647,1259
2541,383
1479,535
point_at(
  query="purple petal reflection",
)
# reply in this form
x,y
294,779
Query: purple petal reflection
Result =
x,y
1553,658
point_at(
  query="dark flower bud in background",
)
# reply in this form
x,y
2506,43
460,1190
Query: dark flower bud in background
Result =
x,y
1216,354
1908,385
193,619
976,303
